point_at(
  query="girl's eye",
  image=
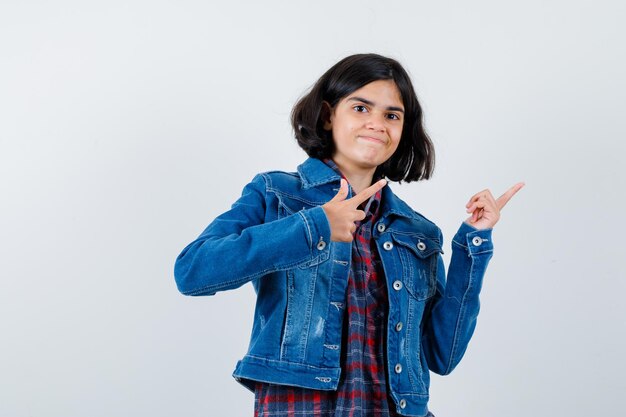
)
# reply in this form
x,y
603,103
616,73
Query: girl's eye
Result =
x,y
360,108
394,116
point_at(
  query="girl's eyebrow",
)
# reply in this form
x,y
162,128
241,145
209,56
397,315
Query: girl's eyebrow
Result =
x,y
371,103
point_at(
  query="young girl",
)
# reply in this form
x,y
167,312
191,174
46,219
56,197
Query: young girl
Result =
x,y
354,307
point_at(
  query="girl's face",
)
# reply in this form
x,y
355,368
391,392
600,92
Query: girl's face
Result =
x,y
367,126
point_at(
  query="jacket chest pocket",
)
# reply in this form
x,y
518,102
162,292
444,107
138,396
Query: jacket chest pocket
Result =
x,y
418,256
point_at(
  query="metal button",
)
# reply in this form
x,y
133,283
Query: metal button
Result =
x,y
421,246
387,245
321,245
397,285
398,368
477,241
381,227
402,403
399,326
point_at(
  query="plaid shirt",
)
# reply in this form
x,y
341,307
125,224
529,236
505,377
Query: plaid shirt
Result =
x,y
362,389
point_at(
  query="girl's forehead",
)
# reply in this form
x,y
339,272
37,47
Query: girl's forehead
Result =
x,y
384,92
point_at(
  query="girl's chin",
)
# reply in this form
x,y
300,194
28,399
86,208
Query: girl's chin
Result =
x,y
368,162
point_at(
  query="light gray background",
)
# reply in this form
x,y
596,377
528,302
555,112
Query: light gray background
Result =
x,y
127,126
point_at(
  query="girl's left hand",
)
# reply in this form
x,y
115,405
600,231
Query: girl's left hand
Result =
x,y
485,209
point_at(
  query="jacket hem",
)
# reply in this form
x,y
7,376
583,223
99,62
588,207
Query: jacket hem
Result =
x,y
415,405
252,369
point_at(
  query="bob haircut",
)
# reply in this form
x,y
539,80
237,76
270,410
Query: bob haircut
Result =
x,y
414,159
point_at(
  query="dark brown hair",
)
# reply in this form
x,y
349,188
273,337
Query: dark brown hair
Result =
x,y
415,157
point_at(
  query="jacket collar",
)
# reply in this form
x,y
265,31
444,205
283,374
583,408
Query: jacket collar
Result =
x,y
391,204
314,172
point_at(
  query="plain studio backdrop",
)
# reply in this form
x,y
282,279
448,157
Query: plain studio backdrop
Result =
x,y
126,127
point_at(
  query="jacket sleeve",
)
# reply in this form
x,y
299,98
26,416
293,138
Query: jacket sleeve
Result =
x,y
450,316
239,245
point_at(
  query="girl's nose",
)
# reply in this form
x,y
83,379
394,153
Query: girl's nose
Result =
x,y
376,122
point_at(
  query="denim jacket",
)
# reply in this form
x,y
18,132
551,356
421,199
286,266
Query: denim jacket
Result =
x,y
277,236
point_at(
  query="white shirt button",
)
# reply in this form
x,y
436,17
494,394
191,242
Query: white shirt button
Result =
x,y
387,245
397,285
402,403
398,326
477,241
398,368
421,246
381,227
321,245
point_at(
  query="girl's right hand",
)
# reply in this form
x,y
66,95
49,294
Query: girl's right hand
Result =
x,y
342,213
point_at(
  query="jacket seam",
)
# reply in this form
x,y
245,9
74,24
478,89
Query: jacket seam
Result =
x,y
459,320
282,193
243,279
287,362
308,229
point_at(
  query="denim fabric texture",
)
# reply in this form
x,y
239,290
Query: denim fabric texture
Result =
x,y
277,236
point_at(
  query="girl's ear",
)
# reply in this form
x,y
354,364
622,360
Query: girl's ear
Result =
x,y
325,115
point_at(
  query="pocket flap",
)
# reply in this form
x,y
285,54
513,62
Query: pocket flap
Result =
x,y
421,245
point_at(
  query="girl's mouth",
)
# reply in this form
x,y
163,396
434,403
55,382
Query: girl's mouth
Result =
x,y
372,139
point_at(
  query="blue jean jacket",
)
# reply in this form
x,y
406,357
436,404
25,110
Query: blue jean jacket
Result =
x,y
277,236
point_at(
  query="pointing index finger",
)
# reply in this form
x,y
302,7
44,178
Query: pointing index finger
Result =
x,y
368,192
504,198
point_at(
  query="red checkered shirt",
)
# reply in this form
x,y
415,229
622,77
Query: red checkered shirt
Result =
x,y
362,389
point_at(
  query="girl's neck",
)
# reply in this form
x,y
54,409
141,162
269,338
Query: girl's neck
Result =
x,y
358,178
